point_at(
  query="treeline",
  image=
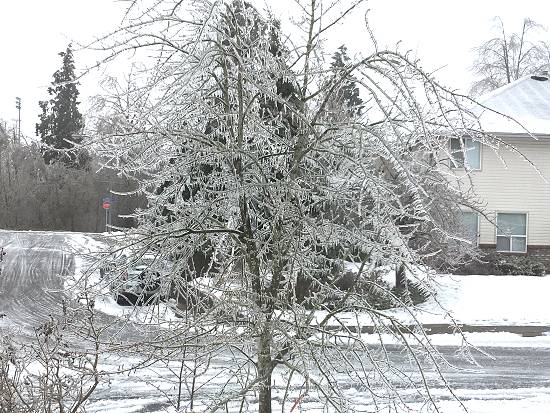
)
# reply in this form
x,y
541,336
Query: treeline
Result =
x,y
39,196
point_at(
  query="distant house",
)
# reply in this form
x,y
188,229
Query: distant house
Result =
x,y
514,187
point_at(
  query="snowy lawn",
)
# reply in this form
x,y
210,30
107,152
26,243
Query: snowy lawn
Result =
x,y
485,300
475,300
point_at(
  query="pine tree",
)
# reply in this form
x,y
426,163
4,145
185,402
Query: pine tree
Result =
x,y
347,94
60,119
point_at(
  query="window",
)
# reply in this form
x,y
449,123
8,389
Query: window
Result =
x,y
512,232
466,153
470,226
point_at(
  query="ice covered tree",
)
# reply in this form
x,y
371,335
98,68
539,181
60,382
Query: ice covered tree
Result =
x,y
347,93
509,56
238,127
61,119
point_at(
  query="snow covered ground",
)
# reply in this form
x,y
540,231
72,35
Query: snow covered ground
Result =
x,y
469,300
501,310
515,379
504,384
475,300
486,300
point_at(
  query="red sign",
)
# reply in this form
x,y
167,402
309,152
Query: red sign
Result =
x,y
106,205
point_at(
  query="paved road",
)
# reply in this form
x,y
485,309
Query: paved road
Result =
x,y
517,380
33,274
31,288
31,281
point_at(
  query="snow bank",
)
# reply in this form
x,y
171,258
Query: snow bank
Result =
x,y
484,300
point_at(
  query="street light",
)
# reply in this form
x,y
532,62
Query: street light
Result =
x,y
18,107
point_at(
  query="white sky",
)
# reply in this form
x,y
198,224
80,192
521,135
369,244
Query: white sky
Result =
x,y
441,33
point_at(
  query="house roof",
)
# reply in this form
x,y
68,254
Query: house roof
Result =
x,y
526,100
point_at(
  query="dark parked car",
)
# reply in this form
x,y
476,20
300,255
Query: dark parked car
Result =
x,y
135,282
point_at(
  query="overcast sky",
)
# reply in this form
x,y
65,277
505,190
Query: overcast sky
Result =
x,y
441,33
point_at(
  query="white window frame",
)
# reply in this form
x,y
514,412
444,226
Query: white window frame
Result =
x,y
477,224
510,251
455,164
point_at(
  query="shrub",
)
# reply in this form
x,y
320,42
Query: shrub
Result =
x,y
371,287
510,265
413,294
494,263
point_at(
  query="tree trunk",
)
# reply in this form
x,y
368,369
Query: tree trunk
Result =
x,y
265,369
400,278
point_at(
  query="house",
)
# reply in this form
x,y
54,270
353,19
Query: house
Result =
x,y
512,179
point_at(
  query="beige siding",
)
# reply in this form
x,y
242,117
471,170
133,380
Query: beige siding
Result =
x,y
509,183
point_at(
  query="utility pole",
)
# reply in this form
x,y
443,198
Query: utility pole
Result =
x,y
18,107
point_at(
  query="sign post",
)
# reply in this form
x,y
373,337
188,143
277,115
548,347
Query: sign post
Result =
x,y
106,203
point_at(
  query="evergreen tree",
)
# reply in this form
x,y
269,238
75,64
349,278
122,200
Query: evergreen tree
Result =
x,y
347,93
60,119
